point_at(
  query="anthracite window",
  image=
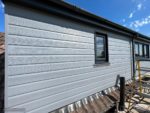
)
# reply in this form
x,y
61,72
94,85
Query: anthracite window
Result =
x,y
142,50
146,51
136,49
101,48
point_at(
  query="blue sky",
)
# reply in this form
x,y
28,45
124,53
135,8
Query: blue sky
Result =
x,y
134,14
1,17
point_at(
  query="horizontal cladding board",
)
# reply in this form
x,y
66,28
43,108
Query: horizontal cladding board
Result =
x,y
26,50
81,88
145,68
145,64
76,93
47,75
31,77
27,60
32,96
111,47
22,31
46,67
116,48
116,44
22,60
110,56
14,90
120,39
51,61
37,42
50,23
143,72
114,52
119,57
34,34
25,40
65,101
40,42
115,61
62,44
38,48
26,69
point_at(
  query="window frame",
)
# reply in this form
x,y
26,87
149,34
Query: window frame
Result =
x,y
144,55
106,58
136,55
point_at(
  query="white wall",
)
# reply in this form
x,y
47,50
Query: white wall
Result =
x,y
51,61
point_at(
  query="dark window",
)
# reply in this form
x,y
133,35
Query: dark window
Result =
x,y
141,50
101,51
146,51
136,49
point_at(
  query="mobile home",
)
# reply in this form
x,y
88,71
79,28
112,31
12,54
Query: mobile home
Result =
x,y
56,54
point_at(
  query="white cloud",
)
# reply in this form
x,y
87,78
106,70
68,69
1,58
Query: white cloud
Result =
x,y
139,6
123,20
140,23
131,15
1,7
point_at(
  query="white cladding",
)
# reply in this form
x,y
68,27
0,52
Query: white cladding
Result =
x,y
51,60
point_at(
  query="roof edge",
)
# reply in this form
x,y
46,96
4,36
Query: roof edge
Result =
x,y
80,13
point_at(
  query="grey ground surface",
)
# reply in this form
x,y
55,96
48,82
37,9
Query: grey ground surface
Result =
x,y
138,106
